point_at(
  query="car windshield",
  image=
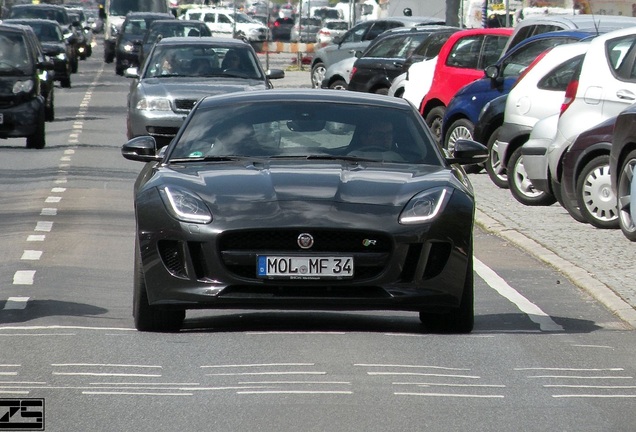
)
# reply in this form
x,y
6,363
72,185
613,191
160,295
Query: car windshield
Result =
x,y
47,33
14,57
198,60
303,130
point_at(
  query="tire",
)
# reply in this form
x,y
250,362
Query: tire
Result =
x,y
338,85
521,188
494,167
573,210
317,74
109,57
460,320
597,201
66,82
74,65
459,129
624,189
151,318
434,122
49,110
37,140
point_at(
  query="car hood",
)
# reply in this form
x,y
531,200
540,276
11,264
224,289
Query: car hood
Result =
x,y
197,86
249,183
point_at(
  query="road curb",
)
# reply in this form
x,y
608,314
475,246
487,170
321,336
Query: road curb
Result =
x,y
578,276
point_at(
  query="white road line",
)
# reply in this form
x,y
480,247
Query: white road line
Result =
x,y
8,373
134,393
424,374
57,327
604,387
105,374
295,382
104,365
31,255
451,395
16,303
451,385
14,392
596,396
36,237
23,277
258,365
44,226
58,190
571,369
410,366
53,199
252,392
268,373
69,151
580,377
48,211
496,282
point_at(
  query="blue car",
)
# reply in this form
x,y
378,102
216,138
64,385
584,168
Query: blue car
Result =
x,y
462,112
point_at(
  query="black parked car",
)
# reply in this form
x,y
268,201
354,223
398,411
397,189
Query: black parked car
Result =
x,y
385,58
53,12
51,37
130,39
22,98
281,29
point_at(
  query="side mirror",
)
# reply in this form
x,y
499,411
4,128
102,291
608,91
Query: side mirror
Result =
x,y
492,71
337,40
131,72
141,149
468,152
275,74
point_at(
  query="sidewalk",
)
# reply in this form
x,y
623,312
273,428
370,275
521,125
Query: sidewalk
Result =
x,y
601,262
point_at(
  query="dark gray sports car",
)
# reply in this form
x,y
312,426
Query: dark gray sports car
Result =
x,y
303,199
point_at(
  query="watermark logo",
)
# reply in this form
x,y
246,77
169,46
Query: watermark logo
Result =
x,y
22,414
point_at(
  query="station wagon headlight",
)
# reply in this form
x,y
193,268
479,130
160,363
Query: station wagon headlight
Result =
x,y
184,205
425,206
22,86
153,104
61,56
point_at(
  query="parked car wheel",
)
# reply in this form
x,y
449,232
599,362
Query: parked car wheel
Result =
x,y
151,318
338,85
66,82
459,129
521,187
494,167
434,121
460,320
573,210
597,201
317,74
626,189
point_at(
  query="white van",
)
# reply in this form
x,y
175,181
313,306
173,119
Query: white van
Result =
x,y
228,23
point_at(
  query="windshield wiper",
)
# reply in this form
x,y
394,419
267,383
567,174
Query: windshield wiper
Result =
x,y
343,157
209,159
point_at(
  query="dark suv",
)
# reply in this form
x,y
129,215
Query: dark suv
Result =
x,y
130,39
22,102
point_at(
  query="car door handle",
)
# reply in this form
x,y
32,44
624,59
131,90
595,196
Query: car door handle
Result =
x,y
398,65
625,95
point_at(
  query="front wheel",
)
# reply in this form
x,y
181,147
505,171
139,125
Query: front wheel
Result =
x,y
38,139
521,187
460,320
626,190
597,201
494,166
434,122
151,318
317,75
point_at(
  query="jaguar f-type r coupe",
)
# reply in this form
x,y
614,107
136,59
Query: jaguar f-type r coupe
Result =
x,y
303,200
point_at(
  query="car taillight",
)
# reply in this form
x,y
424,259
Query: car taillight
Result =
x,y
570,95
530,66
353,71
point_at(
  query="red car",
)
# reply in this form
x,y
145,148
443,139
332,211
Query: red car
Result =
x,y
461,61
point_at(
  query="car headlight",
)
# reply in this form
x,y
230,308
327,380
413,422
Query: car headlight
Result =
x,y
185,206
61,56
22,86
425,206
128,47
153,104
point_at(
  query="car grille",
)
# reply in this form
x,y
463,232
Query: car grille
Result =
x,y
239,251
184,104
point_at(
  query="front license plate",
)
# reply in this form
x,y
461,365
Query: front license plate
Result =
x,y
290,267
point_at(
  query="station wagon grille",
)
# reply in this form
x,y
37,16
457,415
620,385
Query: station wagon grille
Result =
x,y
184,104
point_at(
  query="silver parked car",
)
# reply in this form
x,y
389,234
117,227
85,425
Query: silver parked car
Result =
x,y
181,70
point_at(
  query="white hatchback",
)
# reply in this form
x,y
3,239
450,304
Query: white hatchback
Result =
x,y
605,86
